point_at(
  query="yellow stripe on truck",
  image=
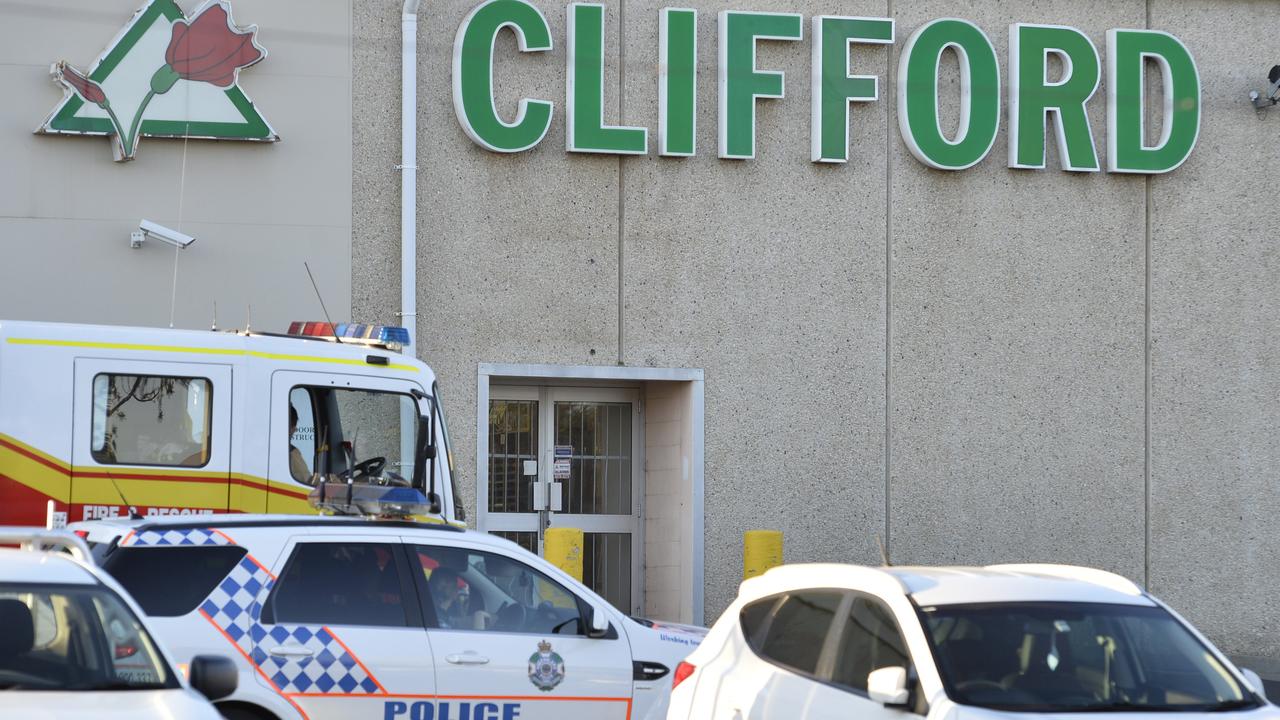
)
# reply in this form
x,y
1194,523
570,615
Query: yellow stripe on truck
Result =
x,y
206,351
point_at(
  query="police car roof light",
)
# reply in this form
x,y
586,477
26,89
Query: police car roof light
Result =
x,y
367,500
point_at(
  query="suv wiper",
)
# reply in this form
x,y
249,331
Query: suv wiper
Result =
x,y
1232,705
1125,706
118,685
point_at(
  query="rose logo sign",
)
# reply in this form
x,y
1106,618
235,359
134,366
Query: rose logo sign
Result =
x,y
165,76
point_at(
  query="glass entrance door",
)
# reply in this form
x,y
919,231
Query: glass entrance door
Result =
x,y
570,457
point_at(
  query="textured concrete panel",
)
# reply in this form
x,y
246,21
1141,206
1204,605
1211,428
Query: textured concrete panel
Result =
x,y
258,210
517,254
114,284
1017,339
1215,396
768,274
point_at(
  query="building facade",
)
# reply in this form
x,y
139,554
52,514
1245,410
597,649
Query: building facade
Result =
x,y
992,364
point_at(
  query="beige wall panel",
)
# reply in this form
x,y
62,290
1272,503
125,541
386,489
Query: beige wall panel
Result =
x,y
1215,394
258,211
517,254
768,274
1017,339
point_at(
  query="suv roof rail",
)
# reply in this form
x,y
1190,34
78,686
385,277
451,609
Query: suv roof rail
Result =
x,y
1090,575
230,521
39,539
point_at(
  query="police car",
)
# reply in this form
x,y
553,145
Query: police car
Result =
x,y
72,643
838,641
345,617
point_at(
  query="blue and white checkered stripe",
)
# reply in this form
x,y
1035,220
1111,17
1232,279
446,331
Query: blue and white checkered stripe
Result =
x,y
194,536
235,606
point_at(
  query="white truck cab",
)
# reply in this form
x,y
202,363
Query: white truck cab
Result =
x,y
345,617
113,421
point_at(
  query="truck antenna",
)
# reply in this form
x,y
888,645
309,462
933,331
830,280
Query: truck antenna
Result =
x,y
327,319
215,317
133,511
884,554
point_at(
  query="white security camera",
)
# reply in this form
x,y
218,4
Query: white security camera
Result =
x,y
1272,97
154,231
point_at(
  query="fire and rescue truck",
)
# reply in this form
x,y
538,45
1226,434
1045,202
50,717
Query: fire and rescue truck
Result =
x,y
99,422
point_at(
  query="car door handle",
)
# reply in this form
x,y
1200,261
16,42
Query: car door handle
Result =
x,y
291,651
468,658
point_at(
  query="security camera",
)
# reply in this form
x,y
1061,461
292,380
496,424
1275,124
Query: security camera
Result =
x,y
1262,102
154,231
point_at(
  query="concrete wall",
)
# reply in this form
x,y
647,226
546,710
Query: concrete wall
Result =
x,y
669,437
257,211
984,366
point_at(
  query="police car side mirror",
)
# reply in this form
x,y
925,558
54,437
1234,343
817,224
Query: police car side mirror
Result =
x,y
888,686
213,676
598,626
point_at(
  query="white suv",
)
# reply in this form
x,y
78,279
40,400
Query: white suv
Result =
x,y
72,644
840,641
332,617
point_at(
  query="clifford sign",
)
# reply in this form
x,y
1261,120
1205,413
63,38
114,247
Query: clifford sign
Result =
x,y
1033,96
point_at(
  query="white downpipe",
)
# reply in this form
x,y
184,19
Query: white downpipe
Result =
x,y
408,168
409,172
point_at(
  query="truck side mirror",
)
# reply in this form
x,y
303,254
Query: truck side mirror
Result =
x,y
213,676
888,686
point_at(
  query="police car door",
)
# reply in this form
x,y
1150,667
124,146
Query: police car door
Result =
x,y
510,642
341,632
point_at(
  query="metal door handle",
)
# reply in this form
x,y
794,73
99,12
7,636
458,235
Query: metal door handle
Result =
x,y
291,651
468,658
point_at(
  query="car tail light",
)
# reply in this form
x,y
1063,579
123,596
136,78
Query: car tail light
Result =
x,y
82,534
682,673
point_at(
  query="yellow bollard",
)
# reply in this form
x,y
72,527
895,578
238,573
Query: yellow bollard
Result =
x,y
562,547
761,550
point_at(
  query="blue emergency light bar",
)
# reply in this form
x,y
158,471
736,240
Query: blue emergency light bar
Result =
x,y
341,498
383,335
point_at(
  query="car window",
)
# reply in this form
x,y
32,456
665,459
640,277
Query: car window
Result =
x,y
58,637
1077,657
333,430
477,590
149,420
171,581
868,641
339,584
791,629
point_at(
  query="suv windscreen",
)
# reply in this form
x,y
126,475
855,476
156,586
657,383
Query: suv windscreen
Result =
x,y
189,574
1077,657
59,637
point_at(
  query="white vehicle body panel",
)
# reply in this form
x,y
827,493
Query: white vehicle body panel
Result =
x,y
410,668
48,568
731,682
47,372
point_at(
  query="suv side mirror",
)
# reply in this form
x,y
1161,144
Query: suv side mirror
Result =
x,y
1255,682
598,626
213,676
888,686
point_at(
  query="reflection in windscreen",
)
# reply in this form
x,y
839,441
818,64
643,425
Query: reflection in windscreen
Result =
x,y
1076,657
70,638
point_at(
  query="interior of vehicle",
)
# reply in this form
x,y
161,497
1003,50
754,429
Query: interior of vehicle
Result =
x,y
475,590
1068,656
73,639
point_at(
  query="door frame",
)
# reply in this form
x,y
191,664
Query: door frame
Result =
x,y
547,397
600,375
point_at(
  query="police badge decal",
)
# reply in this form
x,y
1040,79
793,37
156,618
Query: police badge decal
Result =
x,y
546,669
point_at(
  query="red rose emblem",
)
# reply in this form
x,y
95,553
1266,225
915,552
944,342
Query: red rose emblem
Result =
x,y
209,49
86,88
